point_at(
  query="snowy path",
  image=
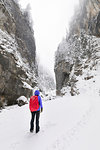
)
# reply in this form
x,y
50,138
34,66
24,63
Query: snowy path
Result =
x,y
66,123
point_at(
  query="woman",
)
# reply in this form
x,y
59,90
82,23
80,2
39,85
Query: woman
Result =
x,y
36,106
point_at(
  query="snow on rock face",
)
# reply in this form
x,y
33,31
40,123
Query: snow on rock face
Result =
x,y
17,71
77,60
79,65
22,100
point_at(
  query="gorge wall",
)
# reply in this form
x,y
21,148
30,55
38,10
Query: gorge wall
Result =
x,y
17,54
87,17
77,59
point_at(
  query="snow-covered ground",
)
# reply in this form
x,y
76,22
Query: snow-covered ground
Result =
x,y
68,123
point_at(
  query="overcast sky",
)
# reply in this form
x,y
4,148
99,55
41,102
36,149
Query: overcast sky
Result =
x,y
51,19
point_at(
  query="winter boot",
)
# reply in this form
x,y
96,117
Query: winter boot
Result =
x,y
31,131
37,129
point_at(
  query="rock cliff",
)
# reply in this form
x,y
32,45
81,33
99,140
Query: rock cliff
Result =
x,y
87,17
77,59
17,54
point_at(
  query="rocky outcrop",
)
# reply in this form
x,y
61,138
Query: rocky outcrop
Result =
x,y
22,30
77,60
87,17
22,101
62,71
17,54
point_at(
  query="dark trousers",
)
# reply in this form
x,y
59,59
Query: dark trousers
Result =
x,y
35,114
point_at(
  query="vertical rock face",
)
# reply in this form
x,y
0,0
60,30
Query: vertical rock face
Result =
x,y
17,54
87,17
24,34
62,75
77,59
